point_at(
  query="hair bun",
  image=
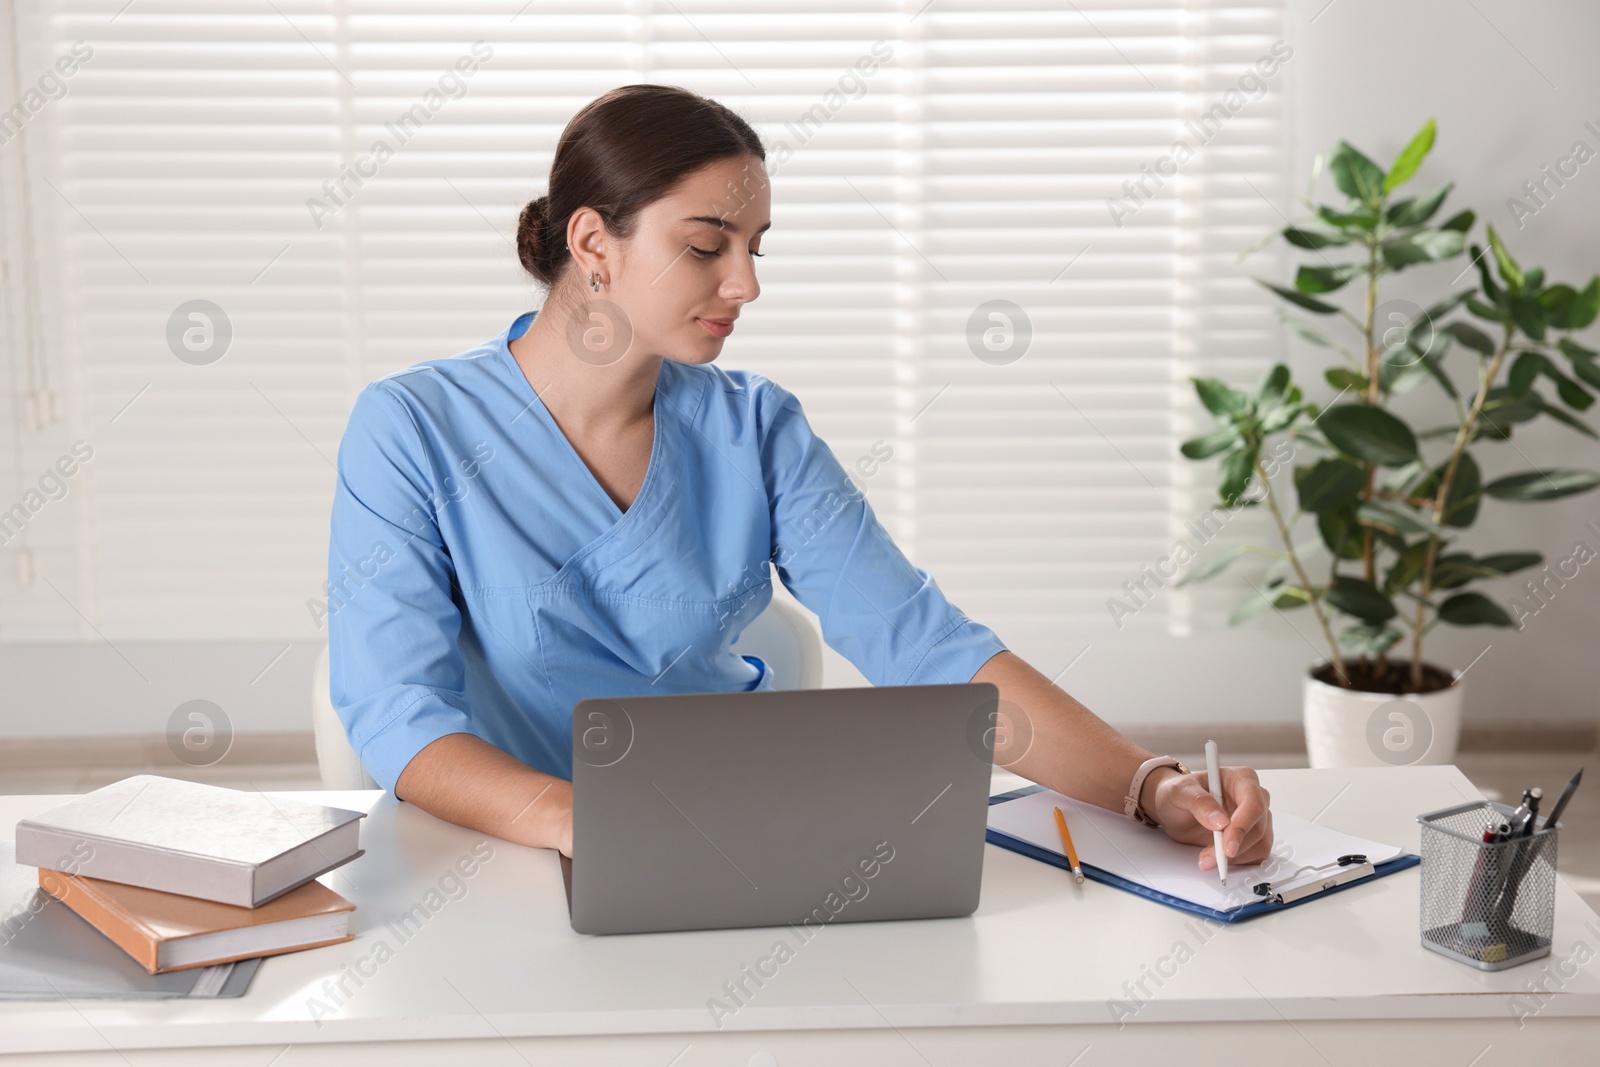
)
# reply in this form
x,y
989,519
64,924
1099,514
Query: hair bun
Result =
x,y
531,248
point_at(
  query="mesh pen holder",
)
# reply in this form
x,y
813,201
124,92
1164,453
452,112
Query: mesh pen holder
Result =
x,y
1491,905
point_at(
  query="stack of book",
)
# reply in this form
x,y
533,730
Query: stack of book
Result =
x,y
182,875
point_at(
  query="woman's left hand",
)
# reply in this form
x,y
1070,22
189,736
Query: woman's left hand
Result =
x,y
1187,811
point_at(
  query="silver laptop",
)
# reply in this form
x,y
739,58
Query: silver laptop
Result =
x,y
804,807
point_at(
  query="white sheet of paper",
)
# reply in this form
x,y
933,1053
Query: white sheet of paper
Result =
x,y
1115,843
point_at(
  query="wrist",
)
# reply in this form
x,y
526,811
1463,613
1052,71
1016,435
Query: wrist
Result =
x,y
1152,769
1152,782
543,817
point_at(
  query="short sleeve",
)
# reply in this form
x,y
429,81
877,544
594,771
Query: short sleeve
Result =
x,y
395,672
886,616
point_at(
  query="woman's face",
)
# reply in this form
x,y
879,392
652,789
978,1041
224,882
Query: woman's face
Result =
x,y
689,268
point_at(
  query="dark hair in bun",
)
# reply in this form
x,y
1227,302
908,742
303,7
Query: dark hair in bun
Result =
x,y
619,153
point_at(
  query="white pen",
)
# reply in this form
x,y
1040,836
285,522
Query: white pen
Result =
x,y
1215,779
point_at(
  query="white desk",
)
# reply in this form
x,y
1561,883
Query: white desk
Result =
x,y
497,976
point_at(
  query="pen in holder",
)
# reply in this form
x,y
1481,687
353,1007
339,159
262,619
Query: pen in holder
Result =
x,y
1489,903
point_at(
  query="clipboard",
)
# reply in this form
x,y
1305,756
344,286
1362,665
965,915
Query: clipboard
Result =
x,y
1340,880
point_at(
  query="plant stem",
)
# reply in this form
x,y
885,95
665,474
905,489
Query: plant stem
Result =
x,y
1368,560
1300,572
1463,435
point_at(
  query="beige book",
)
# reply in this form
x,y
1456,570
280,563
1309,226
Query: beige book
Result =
x,y
168,932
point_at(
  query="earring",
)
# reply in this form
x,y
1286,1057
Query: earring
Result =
x,y
593,282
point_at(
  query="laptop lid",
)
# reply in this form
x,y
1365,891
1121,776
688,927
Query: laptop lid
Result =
x,y
712,810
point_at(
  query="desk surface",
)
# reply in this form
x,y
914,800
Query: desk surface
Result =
x,y
495,949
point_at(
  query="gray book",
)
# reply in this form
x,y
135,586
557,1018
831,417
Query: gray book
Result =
x,y
232,846
48,952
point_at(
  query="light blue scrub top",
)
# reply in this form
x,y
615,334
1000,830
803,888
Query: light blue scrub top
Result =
x,y
481,581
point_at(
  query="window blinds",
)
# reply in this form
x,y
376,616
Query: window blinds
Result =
x,y
1004,235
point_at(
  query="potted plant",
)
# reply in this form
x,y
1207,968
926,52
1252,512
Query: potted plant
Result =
x,y
1389,503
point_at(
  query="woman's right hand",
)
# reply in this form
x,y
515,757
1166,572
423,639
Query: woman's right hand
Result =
x,y
465,780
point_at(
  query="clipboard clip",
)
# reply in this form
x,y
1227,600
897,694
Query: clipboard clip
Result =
x,y
1350,868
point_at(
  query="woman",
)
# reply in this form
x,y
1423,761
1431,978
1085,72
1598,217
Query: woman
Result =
x,y
585,505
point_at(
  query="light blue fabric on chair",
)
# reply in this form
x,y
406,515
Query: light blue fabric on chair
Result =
x,y
783,637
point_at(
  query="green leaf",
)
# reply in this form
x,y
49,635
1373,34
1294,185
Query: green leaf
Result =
x,y
1330,483
1570,421
1585,306
1423,246
1400,367
1398,379
1407,568
1510,562
1485,311
1369,640
1291,596
1418,209
1301,300
1410,158
1343,379
1363,221
1370,434
1432,366
1340,532
1461,221
1356,176
1473,609
1510,273
1556,300
1471,336
1355,596
1314,235
1528,315
1219,398
1234,474
1274,383
1504,409
1400,479
1466,490
1216,565
1542,485
1523,372
1210,444
1480,260
1572,394
1583,361
1282,414
1416,337
1390,518
1326,279
1457,569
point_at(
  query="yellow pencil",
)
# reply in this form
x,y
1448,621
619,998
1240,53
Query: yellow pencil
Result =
x,y
1066,839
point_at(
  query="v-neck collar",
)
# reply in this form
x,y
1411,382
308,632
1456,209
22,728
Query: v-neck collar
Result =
x,y
517,329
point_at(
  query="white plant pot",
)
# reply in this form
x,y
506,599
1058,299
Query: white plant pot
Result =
x,y
1350,728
